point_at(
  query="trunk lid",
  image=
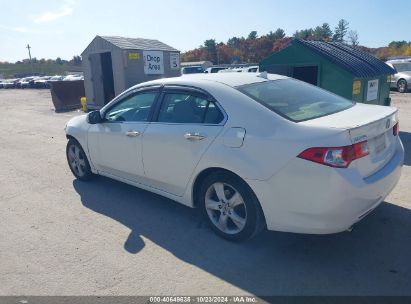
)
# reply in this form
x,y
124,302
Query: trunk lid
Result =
x,y
366,122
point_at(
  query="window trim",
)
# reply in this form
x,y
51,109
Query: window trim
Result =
x,y
183,89
128,94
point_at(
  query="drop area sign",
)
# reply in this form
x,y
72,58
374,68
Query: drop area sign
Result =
x,y
153,62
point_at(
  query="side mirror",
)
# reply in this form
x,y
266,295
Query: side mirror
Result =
x,y
94,117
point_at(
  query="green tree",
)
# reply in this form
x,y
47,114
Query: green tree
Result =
x,y
278,34
323,32
234,42
76,60
397,44
59,61
211,48
340,30
304,34
252,35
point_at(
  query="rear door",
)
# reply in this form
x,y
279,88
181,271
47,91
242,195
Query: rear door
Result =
x,y
186,123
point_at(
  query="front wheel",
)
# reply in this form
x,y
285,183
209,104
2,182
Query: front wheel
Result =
x,y
77,160
230,207
402,86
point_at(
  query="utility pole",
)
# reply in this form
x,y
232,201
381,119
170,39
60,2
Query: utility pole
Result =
x,y
31,63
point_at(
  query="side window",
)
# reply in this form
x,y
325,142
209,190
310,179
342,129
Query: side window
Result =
x,y
132,108
188,108
213,114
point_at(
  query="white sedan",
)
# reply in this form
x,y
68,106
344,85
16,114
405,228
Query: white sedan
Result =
x,y
253,151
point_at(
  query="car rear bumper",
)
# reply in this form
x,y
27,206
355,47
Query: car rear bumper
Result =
x,y
306,197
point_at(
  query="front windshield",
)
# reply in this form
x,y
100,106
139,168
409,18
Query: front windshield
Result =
x,y
295,100
402,67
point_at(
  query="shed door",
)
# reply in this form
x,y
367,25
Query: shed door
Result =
x,y
306,73
108,79
97,79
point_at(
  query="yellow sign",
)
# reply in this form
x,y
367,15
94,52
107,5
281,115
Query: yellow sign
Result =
x,y
133,56
356,87
389,78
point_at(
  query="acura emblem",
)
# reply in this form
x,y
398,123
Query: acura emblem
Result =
x,y
387,124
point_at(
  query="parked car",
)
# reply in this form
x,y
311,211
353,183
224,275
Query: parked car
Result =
x,y
41,82
192,70
252,69
402,79
214,69
73,78
231,70
24,83
55,78
250,150
32,80
9,83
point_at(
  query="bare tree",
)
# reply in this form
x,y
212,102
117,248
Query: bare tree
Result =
x,y
353,38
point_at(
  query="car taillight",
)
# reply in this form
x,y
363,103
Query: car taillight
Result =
x,y
395,129
338,157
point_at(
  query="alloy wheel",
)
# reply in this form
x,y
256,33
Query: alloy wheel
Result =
x,y
402,86
77,160
226,208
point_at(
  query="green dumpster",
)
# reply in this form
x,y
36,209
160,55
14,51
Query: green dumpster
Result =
x,y
336,67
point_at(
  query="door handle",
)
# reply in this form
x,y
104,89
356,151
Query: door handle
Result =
x,y
194,136
133,133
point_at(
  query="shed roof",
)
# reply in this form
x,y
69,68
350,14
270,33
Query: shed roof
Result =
x,y
138,43
357,62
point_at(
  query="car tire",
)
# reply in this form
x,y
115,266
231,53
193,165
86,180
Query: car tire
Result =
x,y
77,160
230,207
402,86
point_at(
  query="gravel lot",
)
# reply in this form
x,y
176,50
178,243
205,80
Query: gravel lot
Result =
x,y
59,236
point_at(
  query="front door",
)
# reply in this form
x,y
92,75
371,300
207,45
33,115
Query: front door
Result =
x,y
115,144
186,124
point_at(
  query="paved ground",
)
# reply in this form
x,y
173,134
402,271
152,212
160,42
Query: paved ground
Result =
x,y
59,236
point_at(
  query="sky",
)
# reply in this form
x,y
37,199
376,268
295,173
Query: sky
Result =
x,y
63,28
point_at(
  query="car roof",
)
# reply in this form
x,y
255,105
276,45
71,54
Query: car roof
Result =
x,y
229,79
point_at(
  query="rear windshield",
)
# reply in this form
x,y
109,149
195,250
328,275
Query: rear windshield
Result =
x,y
295,100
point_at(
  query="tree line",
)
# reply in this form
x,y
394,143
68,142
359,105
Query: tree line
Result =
x,y
75,61
395,48
253,48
